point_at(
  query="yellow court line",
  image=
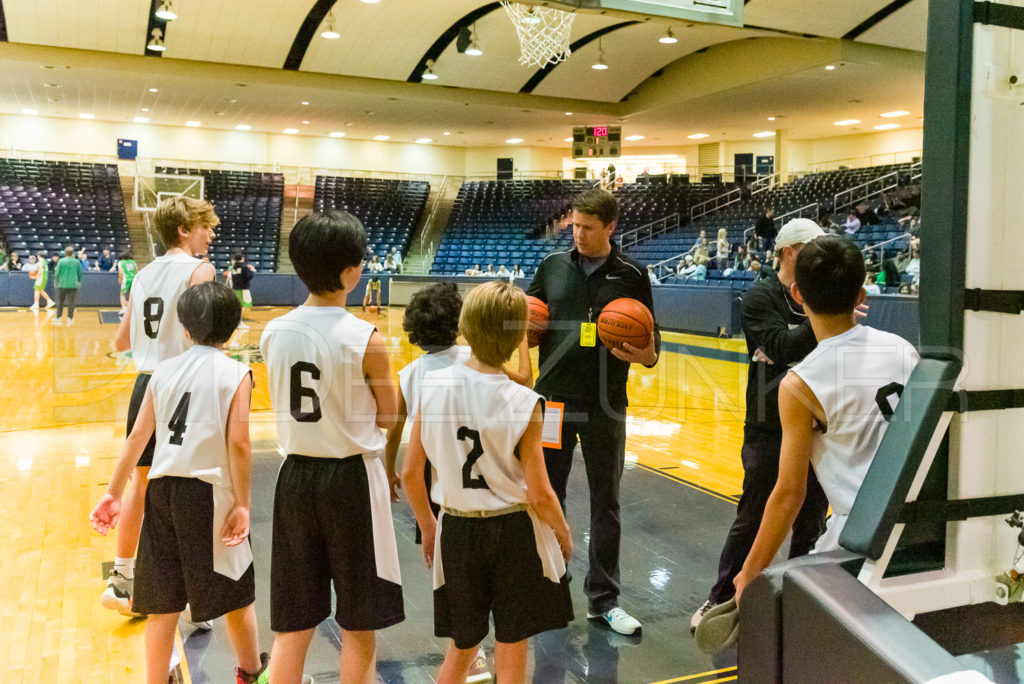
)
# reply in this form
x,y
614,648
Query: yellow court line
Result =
x,y
691,485
702,674
186,676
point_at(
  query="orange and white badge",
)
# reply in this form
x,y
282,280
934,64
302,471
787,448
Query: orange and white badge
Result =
x,y
551,433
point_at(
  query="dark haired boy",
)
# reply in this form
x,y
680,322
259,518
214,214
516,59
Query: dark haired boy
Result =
x,y
835,404
194,549
151,329
332,392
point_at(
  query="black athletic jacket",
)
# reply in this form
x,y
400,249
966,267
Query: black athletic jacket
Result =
x,y
773,324
567,370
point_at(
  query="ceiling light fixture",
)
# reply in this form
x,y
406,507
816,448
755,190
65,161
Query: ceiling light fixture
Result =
x,y
337,134
370,2
886,127
765,134
141,119
144,109
473,49
600,63
771,118
668,38
154,90
193,124
381,138
166,11
569,139
697,136
846,122
447,132
156,43
86,115
429,74
330,33
893,115
514,141
305,123
243,127
634,137
830,67
304,103
424,141
290,131
29,111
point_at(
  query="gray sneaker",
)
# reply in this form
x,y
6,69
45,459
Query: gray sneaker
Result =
x,y
118,594
699,615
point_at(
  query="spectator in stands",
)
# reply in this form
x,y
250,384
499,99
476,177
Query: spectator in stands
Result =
x,y
54,258
901,261
3,257
396,256
700,273
518,272
474,270
764,229
374,265
914,264
762,271
905,289
722,249
106,261
741,262
650,275
686,267
68,277
870,260
871,284
83,257
490,272
866,215
389,264
911,224
852,224
503,272
14,262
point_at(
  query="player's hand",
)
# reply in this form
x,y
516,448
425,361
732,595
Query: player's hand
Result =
x,y
740,582
394,484
565,543
236,526
647,356
427,537
105,516
760,356
860,313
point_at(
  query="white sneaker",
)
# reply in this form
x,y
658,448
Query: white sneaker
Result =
x,y
56,321
34,307
51,304
618,620
202,625
118,594
699,615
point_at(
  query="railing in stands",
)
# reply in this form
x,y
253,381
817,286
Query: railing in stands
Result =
x,y
715,203
634,237
864,191
765,183
915,171
796,213
428,225
901,157
871,248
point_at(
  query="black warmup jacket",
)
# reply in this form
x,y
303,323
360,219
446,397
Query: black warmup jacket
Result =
x,y
567,370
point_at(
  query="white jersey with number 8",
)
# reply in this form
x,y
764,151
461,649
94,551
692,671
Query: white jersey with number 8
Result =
x,y
155,332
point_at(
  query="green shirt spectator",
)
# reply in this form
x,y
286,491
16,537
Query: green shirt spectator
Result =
x,y
69,272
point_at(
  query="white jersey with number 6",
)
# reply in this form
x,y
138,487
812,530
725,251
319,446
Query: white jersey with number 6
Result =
x,y
324,407
155,332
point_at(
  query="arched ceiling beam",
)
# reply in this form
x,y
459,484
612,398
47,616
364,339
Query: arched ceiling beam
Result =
x,y
446,38
306,32
154,23
542,73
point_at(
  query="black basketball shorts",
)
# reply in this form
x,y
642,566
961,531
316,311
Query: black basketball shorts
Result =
x,y
138,394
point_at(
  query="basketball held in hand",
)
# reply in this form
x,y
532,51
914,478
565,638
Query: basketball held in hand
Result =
x,y
625,320
537,320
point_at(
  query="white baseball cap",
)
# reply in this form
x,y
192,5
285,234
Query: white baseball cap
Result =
x,y
796,232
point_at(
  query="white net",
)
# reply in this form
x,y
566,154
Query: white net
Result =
x,y
543,33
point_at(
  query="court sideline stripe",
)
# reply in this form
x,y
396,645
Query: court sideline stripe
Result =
x,y
702,674
705,352
693,485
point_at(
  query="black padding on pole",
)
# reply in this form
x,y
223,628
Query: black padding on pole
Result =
x,y
998,14
898,457
999,301
986,400
960,509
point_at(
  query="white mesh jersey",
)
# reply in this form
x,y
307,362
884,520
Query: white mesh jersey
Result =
x,y
410,378
156,333
323,406
470,424
192,396
857,377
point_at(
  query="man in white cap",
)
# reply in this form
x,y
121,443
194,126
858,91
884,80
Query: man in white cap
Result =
x,y
778,335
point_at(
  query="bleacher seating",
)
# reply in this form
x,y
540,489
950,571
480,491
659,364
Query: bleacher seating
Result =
x,y
249,207
46,205
388,209
642,203
505,222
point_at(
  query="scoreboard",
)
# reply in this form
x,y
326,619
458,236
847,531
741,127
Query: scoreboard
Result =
x,y
596,141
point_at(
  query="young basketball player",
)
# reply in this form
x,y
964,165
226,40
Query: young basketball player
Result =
x,y
332,391
372,288
835,404
126,270
501,543
194,545
153,332
40,274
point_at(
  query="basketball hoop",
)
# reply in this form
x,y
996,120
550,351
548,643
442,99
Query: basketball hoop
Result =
x,y
543,33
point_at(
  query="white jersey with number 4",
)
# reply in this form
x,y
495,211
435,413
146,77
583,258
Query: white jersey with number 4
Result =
x,y
857,377
155,332
314,357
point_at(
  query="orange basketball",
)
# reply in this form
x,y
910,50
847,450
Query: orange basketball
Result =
x,y
537,320
625,320
372,308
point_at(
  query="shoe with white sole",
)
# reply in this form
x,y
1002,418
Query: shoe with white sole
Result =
x,y
478,671
618,620
201,625
699,615
118,594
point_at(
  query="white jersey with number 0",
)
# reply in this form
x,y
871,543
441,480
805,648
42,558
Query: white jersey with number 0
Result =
x,y
324,407
155,331
858,378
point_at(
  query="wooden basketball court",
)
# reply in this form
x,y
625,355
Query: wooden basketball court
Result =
x,y
62,418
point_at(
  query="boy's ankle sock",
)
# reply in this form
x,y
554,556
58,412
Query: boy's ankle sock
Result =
x,y
125,567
